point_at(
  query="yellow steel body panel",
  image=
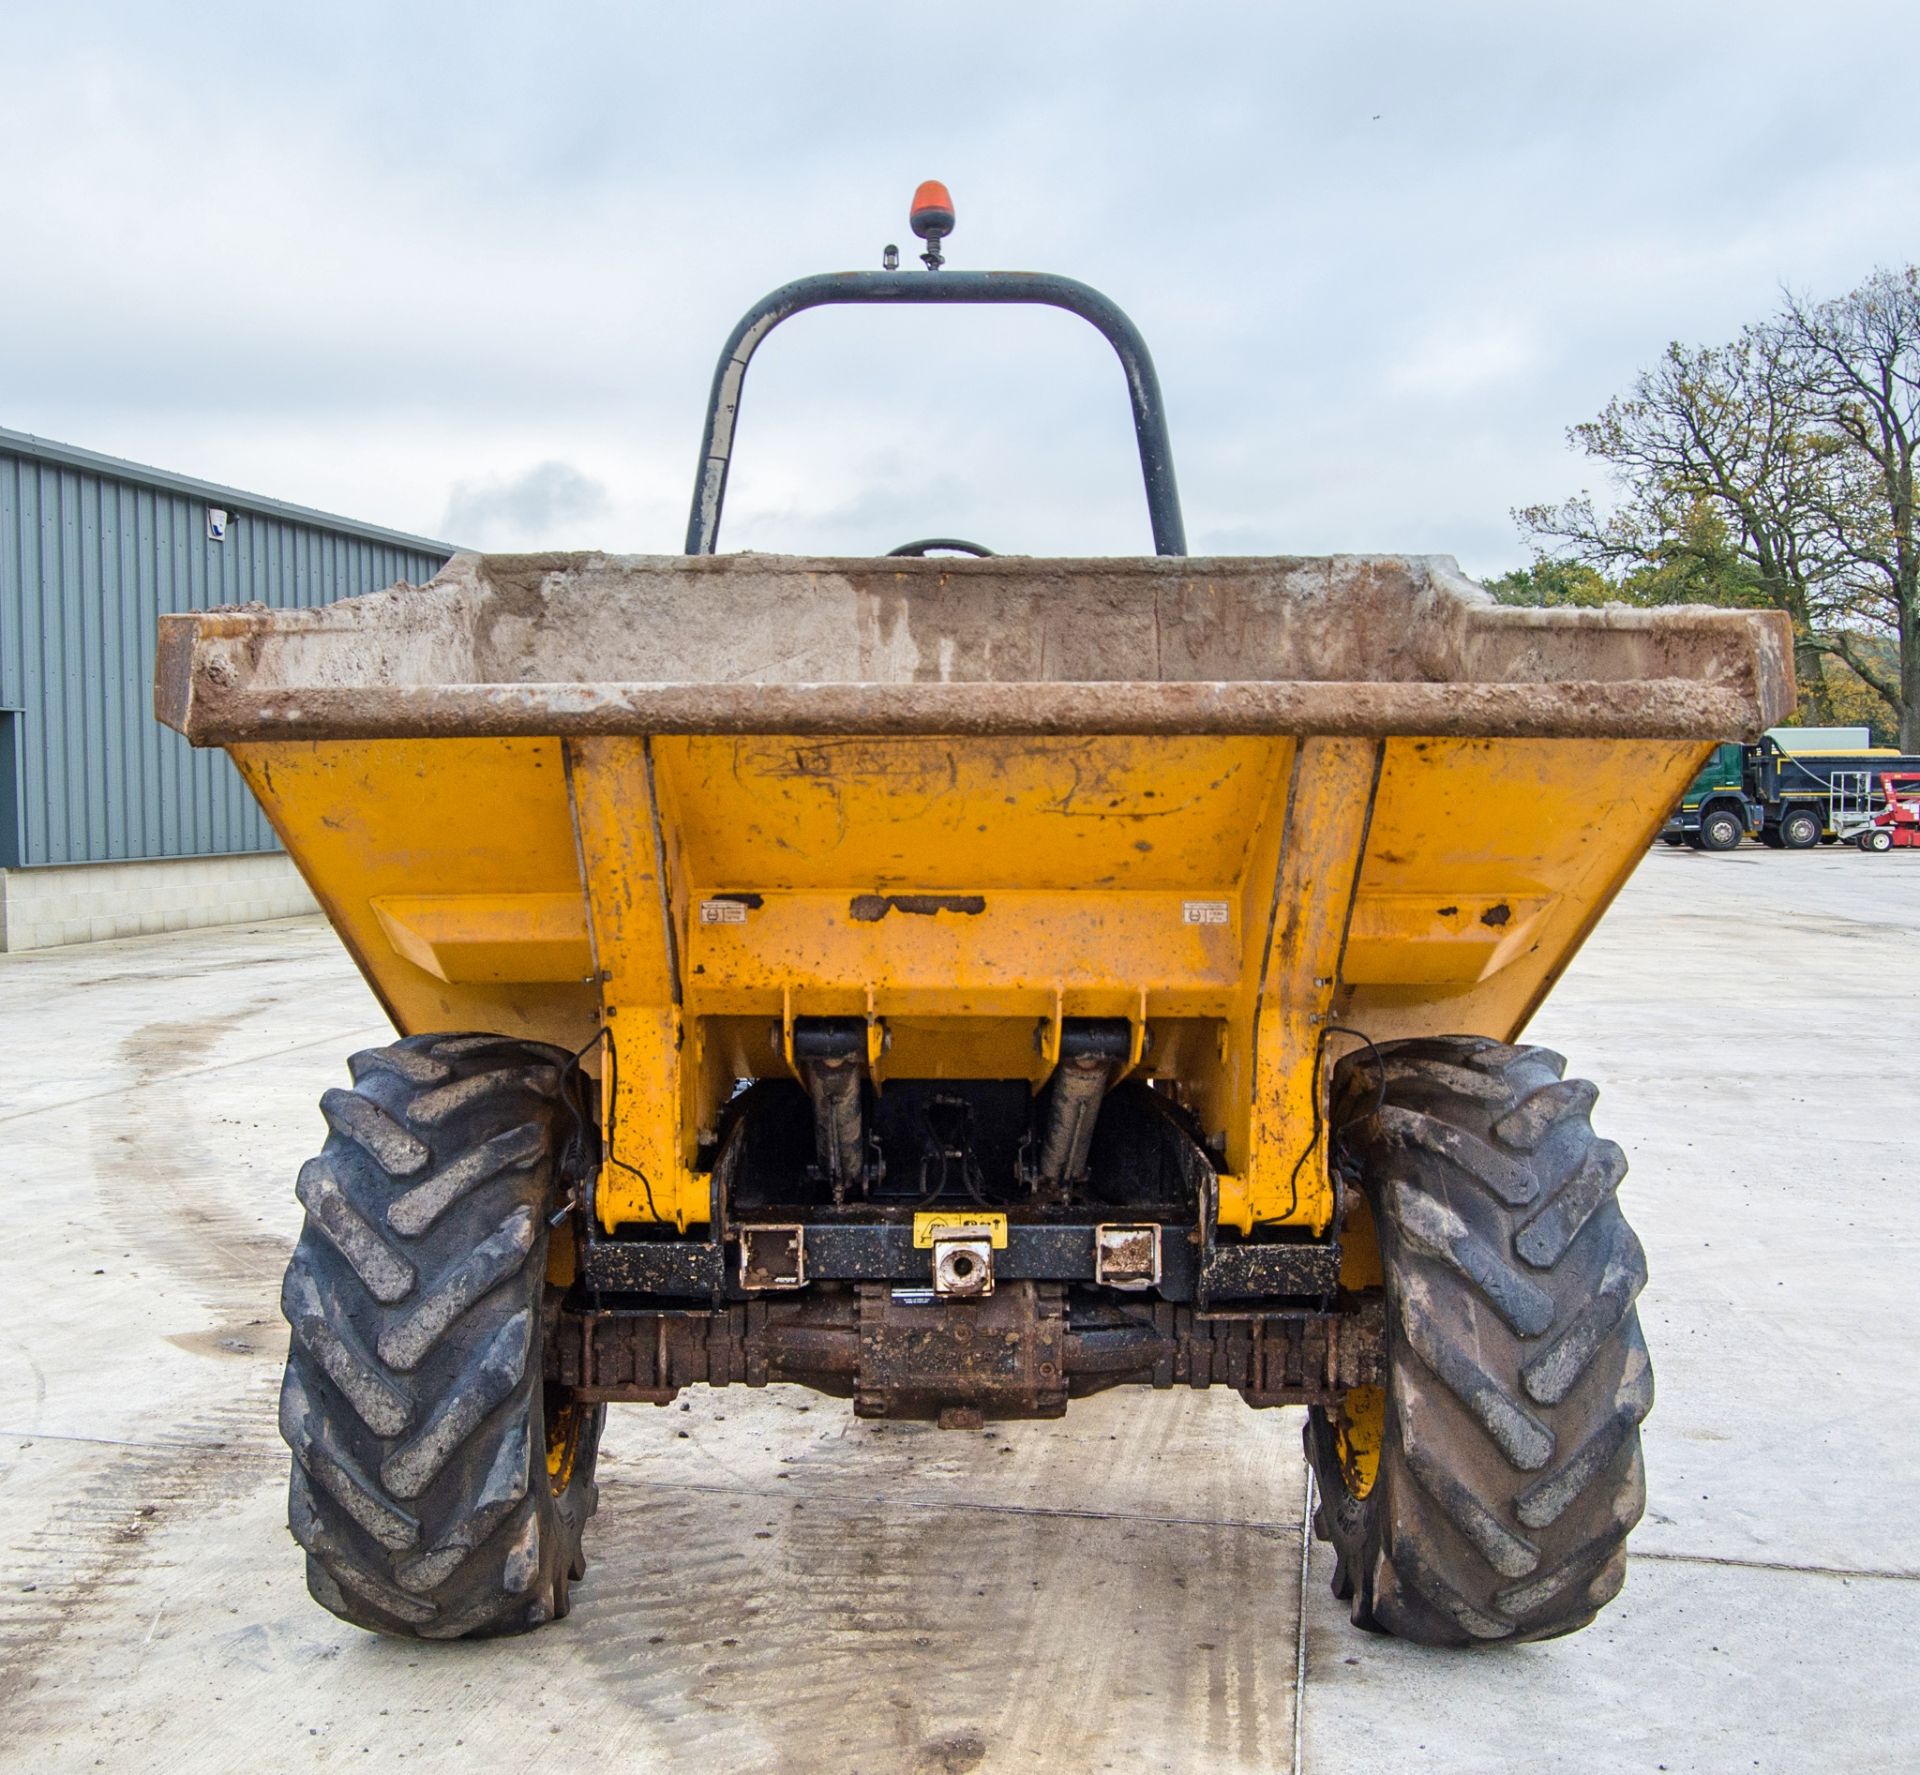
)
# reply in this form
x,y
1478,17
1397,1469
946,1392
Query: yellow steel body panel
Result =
x,y
399,820
985,812
677,901
1359,1429
995,955
1542,833
470,939
636,898
1278,1127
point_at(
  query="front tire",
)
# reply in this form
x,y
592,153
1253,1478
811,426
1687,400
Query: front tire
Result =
x,y
438,1490
1720,830
1485,1494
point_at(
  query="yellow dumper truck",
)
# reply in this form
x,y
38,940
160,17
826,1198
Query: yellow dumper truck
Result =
x,y
959,984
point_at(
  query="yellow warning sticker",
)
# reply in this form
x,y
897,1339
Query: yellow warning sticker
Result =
x,y
926,1225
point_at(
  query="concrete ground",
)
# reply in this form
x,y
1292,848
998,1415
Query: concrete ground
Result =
x,y
777,1587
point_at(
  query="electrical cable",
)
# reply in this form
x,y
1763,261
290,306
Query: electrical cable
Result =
x,y
1379,1097
605,1034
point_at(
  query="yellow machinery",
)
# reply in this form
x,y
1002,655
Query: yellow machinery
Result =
x,y
961,984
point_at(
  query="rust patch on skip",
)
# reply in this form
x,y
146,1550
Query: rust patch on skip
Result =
x,y
871,908
1497,915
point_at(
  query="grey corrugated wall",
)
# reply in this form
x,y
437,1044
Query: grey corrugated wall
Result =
x,y
92,551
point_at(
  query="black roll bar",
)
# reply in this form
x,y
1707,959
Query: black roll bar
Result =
x,y
1039,287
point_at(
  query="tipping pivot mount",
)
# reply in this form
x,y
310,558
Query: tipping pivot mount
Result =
x,y
1093,1051
829,1053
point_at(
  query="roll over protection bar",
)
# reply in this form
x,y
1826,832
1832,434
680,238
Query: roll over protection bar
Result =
x,y
1040,288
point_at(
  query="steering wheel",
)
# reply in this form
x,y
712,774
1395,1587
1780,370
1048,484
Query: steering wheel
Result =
x,y
927,544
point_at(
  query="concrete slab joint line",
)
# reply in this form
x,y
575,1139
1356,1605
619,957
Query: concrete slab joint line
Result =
x,y
1300,1641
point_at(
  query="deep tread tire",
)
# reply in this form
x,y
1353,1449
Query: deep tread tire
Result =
x,y
1510,1469
413,1397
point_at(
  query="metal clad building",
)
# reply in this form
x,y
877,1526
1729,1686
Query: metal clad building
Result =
x,y
92,551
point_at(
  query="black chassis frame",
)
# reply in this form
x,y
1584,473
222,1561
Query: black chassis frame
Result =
x,y
649,1312
871,1243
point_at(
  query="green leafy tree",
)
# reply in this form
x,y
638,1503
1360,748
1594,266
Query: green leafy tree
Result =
x,y
1550,582
1855,703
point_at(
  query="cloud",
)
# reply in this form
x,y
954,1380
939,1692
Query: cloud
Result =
x,y
238,253
542,507
1462,359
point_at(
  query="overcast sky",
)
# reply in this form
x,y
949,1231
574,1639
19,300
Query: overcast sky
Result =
x,y
464,270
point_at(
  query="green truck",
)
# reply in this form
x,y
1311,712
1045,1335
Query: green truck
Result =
x,y
1717,811
1784,791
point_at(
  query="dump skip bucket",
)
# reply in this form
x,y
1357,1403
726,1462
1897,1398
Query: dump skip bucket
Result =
x,y
1234,803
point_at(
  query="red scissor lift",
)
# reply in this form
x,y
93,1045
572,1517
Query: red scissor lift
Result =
x,y
1894,823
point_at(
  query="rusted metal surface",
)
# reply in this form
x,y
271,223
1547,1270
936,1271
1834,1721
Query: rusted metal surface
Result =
x,y
1268,1358
1314,1358
1002,1355
1021,1352
602,645
1127,1257
962,1260
773,1257
785,1254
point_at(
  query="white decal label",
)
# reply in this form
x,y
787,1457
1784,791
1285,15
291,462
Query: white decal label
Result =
x,y
722,912
1205,912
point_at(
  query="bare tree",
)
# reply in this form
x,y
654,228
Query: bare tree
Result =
x,y
1724,467
1859,365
